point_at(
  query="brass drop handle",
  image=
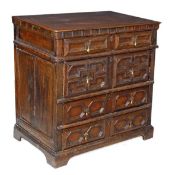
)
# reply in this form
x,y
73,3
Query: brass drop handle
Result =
x,y
135,41
131,101
86,136
87,80
130,124
87,111
87,47
132,98
131,72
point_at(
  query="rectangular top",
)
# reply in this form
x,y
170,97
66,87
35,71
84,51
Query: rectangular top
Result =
x,y
84,20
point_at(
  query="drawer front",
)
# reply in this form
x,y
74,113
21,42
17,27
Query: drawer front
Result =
x,y
129,121
143,39
97,106
87,45
87,108
131,68
83,134
86,76
130,98
133,39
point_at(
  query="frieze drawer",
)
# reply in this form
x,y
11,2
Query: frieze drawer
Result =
x,y
86,45
133,40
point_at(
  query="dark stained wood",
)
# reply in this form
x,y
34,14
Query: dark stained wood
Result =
x,y
79,46
83,81
129,121
83,134
39,40
86,76
72,21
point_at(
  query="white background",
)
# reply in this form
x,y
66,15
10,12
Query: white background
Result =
x,y
155,156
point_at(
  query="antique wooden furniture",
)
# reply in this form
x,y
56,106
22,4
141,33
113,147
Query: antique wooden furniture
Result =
x,y
83,81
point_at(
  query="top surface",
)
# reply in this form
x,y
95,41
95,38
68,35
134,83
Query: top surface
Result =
x,y
85,20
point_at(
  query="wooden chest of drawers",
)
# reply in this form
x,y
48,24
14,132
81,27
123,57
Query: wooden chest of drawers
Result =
x,y
83,81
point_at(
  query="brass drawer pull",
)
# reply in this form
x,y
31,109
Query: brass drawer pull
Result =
x,y
87,111
86,136
135,43
131,101
87,47
102,84
131,72
87,80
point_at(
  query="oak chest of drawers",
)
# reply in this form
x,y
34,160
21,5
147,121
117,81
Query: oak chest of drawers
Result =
x,y
83,81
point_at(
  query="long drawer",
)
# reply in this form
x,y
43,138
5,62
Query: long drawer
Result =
x,y
94,131
96,106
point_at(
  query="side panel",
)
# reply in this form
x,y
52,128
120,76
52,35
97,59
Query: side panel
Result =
x,y
25,71
35,95
44,85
